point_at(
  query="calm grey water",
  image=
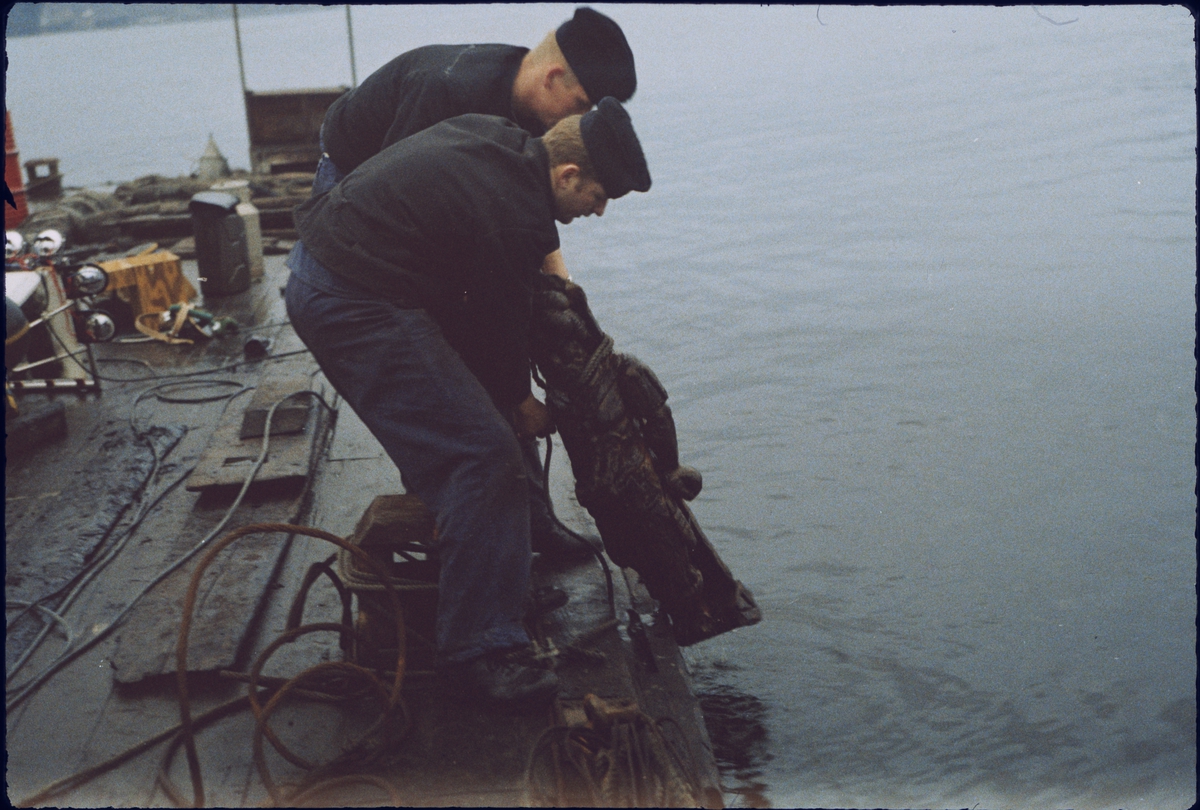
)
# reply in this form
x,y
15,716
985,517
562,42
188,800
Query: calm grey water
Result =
x,y
921,283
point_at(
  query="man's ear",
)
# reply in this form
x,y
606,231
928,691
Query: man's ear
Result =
x,y
564,173
553,72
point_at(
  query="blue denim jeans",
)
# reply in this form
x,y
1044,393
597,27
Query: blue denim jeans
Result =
x,y
455,450
328,175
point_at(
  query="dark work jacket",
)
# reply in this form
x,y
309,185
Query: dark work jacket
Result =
x,y
457,220
417,90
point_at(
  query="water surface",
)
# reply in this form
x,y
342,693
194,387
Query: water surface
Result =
x,y
921,284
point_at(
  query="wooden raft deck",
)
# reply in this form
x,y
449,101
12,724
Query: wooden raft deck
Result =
x,y
455,754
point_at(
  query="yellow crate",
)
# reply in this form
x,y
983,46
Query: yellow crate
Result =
x,y
150,282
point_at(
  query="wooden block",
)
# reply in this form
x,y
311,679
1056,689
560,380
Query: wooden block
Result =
x,y
398,533
394,520
290,415
228,459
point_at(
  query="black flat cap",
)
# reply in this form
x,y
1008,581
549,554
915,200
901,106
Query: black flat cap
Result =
x,y
613,147
598,54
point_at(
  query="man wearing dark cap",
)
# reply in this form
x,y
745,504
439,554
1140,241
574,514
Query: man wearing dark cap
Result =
x,y
457,220
585,59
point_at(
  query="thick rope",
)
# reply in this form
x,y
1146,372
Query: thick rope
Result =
x,y
593,364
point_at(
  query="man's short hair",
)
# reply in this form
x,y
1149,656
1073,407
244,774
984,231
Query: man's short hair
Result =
x,y
547,52
564,143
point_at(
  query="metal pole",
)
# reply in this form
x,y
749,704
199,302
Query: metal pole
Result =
x,y
350,36
44,361
237,33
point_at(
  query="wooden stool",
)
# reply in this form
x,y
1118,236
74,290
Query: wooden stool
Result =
x,y
397,532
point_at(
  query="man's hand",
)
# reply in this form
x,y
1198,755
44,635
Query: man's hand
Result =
x,y
555,266
532,418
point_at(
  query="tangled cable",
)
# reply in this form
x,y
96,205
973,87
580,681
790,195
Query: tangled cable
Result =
x,y
259,687
389,694
147,436
79,583
71,355
28,688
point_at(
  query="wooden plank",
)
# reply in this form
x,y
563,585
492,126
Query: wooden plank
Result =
x,y
51,536
230,594
232,590
291,415
228,458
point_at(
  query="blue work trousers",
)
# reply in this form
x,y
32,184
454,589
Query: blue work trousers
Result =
x,y
328,174
455,450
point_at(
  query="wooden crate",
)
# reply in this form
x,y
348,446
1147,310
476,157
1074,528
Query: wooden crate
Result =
x,y
150,282
285,128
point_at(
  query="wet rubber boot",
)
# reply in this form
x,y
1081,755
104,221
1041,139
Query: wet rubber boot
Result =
x,y
504,676
554,545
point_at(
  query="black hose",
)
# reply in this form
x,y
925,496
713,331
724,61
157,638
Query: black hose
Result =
x,y
599,554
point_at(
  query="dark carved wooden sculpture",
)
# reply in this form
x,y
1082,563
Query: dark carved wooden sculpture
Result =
x,y
612,414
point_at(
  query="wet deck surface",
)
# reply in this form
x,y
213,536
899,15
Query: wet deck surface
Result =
x,y
68,503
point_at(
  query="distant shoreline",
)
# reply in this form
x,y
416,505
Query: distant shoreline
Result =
x,y
34,19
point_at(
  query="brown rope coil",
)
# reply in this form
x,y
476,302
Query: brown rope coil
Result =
x,y
619,759
390,694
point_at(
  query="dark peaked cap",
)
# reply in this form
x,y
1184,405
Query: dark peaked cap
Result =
x,y
614,150
598,54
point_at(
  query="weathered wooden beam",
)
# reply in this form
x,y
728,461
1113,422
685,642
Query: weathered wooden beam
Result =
x,y
229,458
234,588
291,415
